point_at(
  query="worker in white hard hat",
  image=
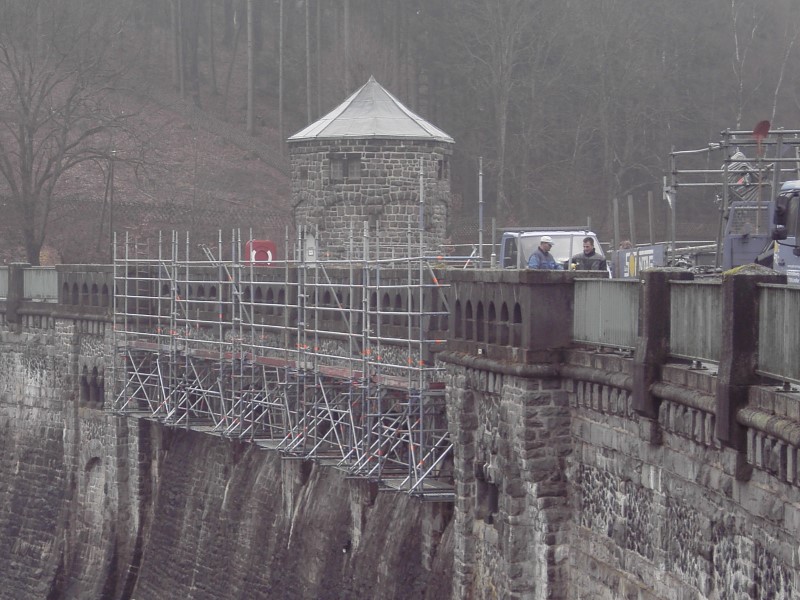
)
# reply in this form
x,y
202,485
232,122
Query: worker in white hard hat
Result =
x,y
541,257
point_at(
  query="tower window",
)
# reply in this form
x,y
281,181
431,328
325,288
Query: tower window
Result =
x,y
443,169
345,167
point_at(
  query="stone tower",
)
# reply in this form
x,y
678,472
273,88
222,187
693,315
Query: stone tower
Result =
x,y
361,163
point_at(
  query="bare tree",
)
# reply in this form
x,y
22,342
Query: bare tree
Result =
x,y
250,67
280,71
232,62
786,55
346,23
496,36
742,43
212,55
308,61
54,113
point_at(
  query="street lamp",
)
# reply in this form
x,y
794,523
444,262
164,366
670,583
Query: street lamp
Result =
x,y
111,205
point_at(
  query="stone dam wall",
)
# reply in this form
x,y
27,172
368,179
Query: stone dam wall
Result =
x,y
571,482
94,505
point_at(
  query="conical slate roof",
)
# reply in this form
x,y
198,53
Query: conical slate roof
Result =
x,y
371,112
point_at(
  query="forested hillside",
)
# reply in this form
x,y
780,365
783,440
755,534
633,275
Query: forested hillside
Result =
x,y
135,115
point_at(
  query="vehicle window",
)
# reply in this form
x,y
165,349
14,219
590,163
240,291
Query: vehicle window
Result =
x,y
565,245
528,244
562,247
510,253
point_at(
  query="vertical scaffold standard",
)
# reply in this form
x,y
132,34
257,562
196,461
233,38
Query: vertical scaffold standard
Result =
x,y
325,360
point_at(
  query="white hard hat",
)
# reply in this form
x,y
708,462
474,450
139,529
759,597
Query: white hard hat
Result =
x,y
546,239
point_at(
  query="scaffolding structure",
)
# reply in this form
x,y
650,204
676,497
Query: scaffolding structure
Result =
x,y
332,361
743,171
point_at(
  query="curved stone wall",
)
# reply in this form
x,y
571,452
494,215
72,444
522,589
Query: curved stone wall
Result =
x,y
568,485
384,193
94,505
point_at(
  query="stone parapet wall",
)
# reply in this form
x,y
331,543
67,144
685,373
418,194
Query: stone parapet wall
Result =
x,y
565,491
676,519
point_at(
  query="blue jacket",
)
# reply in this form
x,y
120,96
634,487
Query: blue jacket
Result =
x,y
543,260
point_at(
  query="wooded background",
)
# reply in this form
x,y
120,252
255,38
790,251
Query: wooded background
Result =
x,y
570,103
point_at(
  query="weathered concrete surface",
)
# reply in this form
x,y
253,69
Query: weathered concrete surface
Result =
x,y
98,506
233,521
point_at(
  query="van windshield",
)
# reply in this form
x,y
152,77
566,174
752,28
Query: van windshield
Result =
x,y
565,246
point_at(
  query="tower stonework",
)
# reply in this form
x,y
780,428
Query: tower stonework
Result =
x,y
360,164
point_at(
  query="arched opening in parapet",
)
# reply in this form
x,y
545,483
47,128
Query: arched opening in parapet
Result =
x,y
397,318
459,324
468,402
165,290
444,317
488,500
246,294
480,326
491,322
164,303
84,384
270,301
94,388
200,299
327,313
386,307
504,324
104,299
101,388
337,315
95,297
516,331
75,295
85,295
212,292
433,317
468,323
65,293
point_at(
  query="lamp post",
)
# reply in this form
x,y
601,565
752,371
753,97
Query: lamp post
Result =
x,y
111,205
480,211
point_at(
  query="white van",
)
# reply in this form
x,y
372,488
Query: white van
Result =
x,y
517,245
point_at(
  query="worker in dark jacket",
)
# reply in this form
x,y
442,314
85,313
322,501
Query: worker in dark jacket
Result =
x,y
541,257
589,259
